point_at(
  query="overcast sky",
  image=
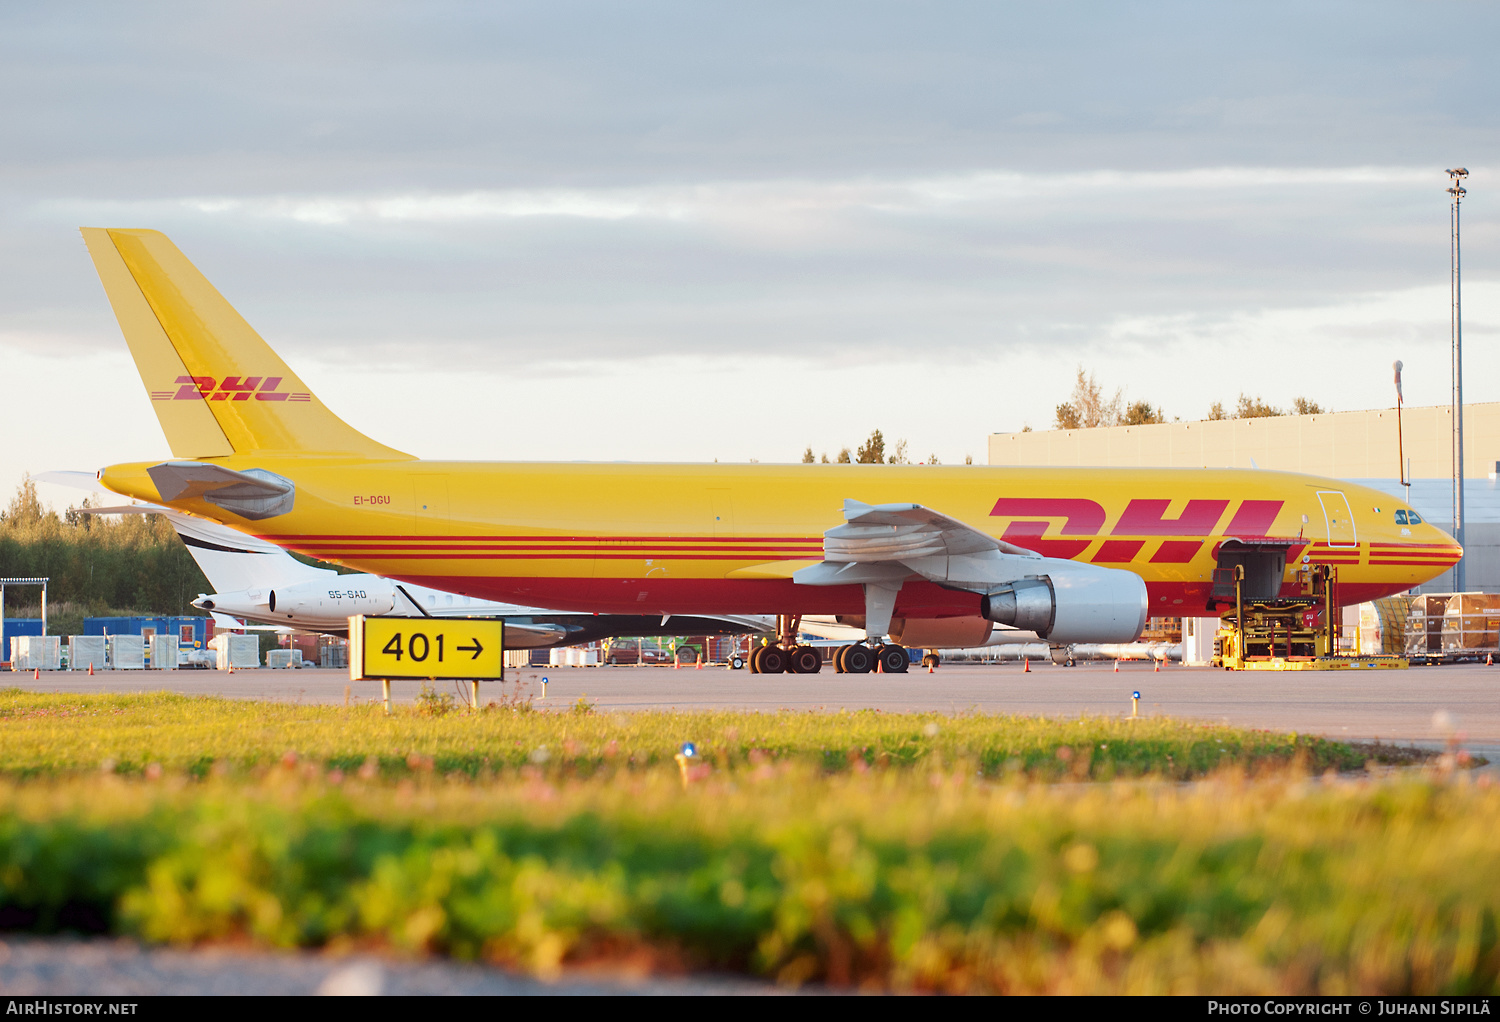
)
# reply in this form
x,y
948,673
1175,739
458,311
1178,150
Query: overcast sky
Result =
x,y
686,231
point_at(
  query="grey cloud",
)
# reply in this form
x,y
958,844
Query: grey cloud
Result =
x,y
503,183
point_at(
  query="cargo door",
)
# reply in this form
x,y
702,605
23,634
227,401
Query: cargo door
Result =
x,y
1338,518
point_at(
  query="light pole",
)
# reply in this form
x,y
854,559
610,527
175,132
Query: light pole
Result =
x,y
1456,190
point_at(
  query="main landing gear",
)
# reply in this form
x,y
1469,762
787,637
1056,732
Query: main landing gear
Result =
x,y
862,659
785,656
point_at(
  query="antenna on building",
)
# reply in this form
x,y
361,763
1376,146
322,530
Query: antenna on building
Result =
x,y
1400,439
1458,192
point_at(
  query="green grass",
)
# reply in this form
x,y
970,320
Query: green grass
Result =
x,y
889,851
53,734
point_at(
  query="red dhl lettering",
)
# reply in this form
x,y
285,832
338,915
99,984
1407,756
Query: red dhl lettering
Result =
x,y
1034,516
232,388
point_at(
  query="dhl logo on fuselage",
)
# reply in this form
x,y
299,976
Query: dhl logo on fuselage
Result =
x,y
231,388
1084,518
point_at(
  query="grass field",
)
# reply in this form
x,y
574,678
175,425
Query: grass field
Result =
x,y
963,853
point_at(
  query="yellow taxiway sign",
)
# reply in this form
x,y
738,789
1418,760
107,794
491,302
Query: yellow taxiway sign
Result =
x,y
425,647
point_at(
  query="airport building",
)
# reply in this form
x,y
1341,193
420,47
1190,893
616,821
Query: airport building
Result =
x,y
1361,447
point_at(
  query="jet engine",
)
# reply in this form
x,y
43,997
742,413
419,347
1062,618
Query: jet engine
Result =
x,y
1084,605
322,599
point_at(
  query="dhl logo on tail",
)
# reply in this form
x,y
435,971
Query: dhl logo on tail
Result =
x,y
232,388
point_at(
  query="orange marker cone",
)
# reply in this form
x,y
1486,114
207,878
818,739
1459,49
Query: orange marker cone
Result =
x,y
1489,660
1117,665
91,668
1157,668
1027,668
37,674
699,665
677,663
929,668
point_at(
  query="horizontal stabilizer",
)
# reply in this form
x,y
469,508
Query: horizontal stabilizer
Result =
x,y
254,493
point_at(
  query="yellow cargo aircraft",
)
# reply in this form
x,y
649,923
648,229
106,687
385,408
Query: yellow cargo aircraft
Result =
x,y
925,555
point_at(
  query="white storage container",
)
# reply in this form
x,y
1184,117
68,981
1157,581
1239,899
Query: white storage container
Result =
x,y
30,652
588,658
126,652
85,651
517,658
164,652
279,659
557,656
237,651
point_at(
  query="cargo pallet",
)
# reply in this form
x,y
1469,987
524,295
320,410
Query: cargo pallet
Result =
x,y
1326,663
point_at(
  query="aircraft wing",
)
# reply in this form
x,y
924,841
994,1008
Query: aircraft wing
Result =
x,y
888,543
881,546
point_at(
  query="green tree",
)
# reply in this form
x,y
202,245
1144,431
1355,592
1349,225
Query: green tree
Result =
x,y
1306,406
1088,408
1143,413
844,458
1254,408
872,451
807,457
1216,411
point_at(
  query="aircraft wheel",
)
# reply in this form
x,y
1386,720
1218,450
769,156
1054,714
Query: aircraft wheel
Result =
x,y
736,662
858,659
805,660
755,659
893,659
773,660
931,660
838,659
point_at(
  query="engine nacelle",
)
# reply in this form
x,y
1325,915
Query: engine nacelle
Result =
x,y
333,599
941,632
1080,605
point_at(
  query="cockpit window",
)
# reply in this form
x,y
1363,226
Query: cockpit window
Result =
x,y
1408,518
1401,518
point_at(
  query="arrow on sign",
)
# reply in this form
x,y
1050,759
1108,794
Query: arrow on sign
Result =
x,y
477,648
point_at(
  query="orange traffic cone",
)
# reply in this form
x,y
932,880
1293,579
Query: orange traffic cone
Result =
x,y
37,674
929,668
1027,668
91,668
1157,668
1117,665
676,663
1489,660
699,665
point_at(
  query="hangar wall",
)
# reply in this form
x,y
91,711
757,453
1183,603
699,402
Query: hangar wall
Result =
x,y
1357,446
1344,445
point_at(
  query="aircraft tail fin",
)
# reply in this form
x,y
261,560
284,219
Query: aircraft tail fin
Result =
x,y
216,386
